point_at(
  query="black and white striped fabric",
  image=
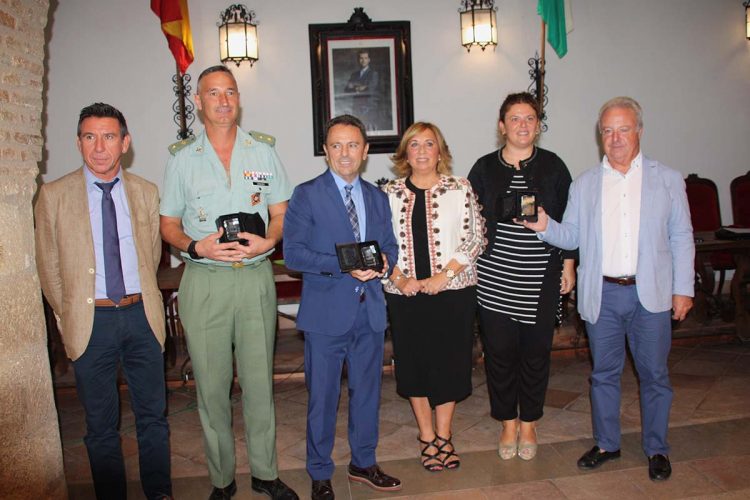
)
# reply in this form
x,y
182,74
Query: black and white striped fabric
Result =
x,y
510,278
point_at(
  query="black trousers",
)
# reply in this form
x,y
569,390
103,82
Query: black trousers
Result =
x,y
517,355
517,361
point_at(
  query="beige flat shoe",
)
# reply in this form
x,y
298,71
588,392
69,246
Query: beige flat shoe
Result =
x,y
508,451
527,451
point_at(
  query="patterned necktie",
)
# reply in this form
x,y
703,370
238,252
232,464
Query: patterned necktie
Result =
x,y
351,210
111,240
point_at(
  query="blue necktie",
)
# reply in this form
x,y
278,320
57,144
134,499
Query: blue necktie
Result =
x,y
111,240
351,210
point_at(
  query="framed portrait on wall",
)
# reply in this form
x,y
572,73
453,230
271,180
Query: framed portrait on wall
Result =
x,y
363,69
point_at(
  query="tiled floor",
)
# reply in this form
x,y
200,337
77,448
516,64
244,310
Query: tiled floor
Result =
x,y
710,437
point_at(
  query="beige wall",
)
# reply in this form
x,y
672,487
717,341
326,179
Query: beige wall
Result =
x,y
30,451
686,61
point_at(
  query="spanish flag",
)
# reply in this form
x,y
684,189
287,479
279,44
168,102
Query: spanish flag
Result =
x,y
175,23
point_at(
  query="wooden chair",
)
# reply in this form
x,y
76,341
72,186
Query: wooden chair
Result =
x,y
740,191
705,214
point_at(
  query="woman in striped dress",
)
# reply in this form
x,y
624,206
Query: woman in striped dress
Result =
x,y
520,277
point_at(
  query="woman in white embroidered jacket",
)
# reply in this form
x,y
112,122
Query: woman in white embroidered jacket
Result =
x,y
431,293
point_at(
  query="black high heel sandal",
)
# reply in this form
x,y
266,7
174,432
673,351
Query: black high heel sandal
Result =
x,y
453,464
427,458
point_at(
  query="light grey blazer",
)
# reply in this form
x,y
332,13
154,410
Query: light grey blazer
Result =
x,y
666,249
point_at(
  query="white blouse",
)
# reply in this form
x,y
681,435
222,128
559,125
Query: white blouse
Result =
x,y
455,228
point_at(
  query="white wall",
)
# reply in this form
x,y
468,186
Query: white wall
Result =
x,y
686,61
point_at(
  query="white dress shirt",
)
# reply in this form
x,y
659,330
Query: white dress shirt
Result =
x,y
621,218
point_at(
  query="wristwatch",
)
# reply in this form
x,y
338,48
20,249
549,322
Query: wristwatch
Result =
x,y
191,250
450,274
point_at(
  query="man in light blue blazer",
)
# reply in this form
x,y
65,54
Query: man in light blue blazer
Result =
x,y
630,219
342,314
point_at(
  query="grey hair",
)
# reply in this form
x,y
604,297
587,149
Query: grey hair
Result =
x,y
622,102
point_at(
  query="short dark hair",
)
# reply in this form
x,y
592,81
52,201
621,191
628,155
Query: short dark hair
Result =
x,y
519,98
219,68
101,110
346,120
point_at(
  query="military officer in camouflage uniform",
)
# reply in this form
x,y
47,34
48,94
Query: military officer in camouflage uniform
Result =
x,y
227,294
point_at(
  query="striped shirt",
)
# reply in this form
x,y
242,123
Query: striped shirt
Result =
x,y
510,277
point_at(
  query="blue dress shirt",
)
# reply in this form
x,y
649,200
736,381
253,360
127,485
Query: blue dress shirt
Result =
x,y
128,253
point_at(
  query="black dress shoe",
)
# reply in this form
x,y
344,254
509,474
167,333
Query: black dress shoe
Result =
x,y
224,493
659,468
596,457
322,490
374,477
275,489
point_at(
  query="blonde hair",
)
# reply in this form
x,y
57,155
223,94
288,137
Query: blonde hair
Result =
x,y
401,165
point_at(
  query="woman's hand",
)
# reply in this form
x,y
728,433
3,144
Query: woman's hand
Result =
x,y
435,284
409,286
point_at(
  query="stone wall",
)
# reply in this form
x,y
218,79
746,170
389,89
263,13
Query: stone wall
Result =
x,y
31,464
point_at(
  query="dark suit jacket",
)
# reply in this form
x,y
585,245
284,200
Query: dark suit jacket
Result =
x,y
315,221
65,254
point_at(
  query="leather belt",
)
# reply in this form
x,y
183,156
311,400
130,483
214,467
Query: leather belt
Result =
x,y
127,300
622,280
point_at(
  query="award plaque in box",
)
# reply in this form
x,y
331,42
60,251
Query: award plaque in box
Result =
x,y
233,224
364,255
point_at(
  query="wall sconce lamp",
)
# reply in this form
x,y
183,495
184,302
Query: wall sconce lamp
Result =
x,y
747,19
479,23
238,35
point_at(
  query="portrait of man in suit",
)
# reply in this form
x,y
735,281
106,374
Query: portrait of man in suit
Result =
x,y
362,84
630,219
98,248
342,314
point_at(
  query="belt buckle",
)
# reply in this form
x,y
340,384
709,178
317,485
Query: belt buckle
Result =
x,y
238,265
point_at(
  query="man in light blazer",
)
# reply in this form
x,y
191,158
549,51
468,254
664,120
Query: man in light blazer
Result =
x,y
630,218
98,248
342,314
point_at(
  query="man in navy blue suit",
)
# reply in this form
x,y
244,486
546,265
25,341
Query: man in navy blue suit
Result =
x,y
342,314
364,83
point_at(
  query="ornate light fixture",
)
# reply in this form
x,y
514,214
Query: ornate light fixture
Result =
x,y
747,19
238,35
478,23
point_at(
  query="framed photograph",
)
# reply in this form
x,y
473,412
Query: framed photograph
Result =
x,y
362,68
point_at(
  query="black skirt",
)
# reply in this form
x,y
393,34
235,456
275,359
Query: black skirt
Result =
x,y
433,336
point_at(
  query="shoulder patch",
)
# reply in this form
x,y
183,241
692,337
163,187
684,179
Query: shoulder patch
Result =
x,y
263,137
174,148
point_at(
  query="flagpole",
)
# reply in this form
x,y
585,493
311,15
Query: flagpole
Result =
x,y
542,71
181,102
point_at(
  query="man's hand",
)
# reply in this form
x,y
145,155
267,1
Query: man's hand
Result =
x,y
540,225
210,248
256,245
568,280
369,274
365,274
681,304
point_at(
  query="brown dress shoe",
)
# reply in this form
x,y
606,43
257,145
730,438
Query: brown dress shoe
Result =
x,y
374,477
